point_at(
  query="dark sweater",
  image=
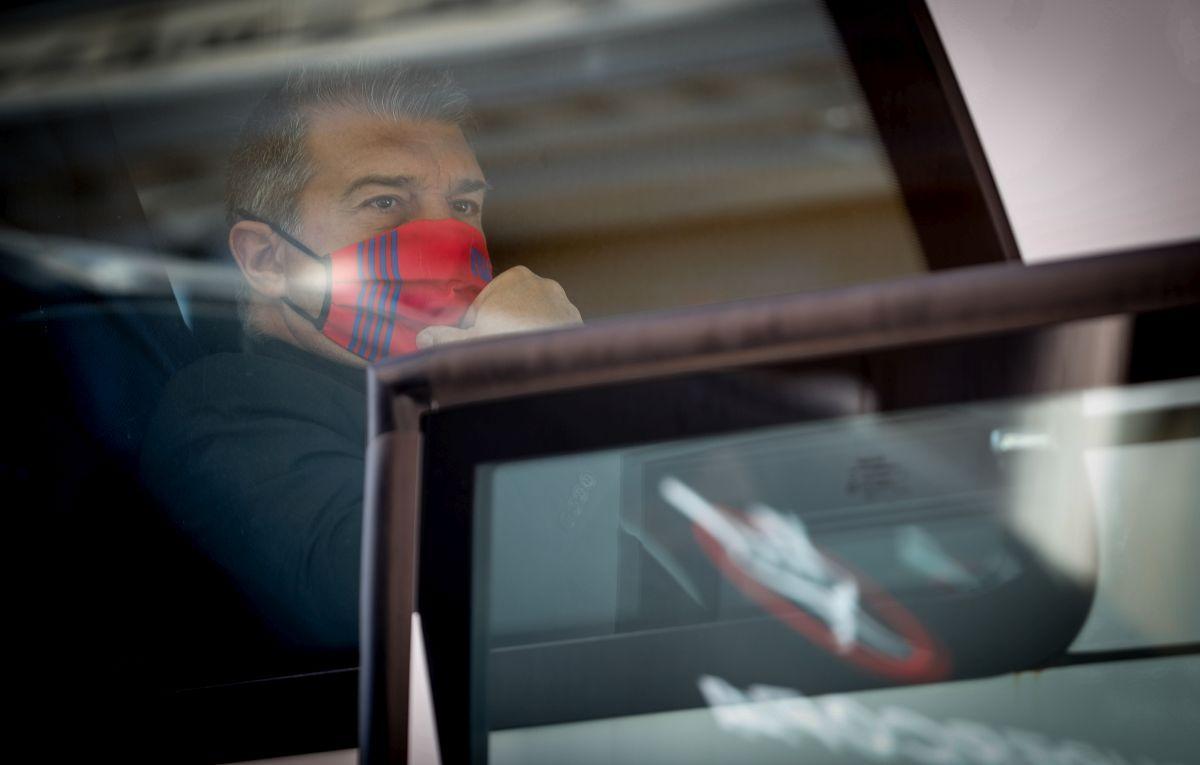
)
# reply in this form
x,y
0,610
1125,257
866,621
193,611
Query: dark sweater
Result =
x,y
257,457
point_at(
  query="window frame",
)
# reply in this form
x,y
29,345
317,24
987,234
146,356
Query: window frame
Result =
x,y
411,398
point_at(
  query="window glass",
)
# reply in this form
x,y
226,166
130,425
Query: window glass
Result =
x,y
214,216
198,276
770,574
1078,714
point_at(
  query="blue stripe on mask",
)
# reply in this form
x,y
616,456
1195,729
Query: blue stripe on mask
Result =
x,y
380,294
396,286
364,347
362,294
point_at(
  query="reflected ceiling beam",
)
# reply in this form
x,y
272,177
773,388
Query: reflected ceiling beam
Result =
x,y
163,50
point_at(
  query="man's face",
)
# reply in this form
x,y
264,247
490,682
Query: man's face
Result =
x,y
369,176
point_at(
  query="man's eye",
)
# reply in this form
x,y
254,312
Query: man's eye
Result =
x,y
383,203
465,207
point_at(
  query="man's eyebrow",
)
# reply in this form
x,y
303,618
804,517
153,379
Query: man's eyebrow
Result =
x,y
395,181
468,185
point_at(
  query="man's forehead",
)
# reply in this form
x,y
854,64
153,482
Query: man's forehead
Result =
x,y
345,143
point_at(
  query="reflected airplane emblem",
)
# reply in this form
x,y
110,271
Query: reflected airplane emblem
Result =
x,y
770,556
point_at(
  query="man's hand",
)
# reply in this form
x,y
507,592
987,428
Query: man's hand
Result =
x,y
517,300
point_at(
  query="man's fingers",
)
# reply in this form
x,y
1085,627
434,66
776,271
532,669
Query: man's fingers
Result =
x,y
519,300
431,336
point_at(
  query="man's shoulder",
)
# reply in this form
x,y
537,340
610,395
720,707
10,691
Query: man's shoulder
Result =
x,y
220,369
242,389
253,376
219,365
228,407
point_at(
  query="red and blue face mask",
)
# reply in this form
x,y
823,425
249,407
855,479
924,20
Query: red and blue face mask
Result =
x,y
382,291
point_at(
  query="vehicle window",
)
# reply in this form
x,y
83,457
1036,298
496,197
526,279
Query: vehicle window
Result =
x,y
644,156
1063,715
781,569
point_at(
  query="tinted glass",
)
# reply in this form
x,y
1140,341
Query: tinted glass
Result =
x,y
770,573
191,471
646,155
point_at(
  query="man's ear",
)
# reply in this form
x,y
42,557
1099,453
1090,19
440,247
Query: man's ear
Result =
x,y
259,253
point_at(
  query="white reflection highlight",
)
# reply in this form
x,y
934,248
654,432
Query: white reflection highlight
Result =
x,y
112,270
1050,508
842,724
775,549
1010,441
920,551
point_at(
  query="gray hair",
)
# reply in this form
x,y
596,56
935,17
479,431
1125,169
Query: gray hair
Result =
x,y
269,167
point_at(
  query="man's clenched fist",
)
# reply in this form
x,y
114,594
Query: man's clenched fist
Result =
x,y
517,300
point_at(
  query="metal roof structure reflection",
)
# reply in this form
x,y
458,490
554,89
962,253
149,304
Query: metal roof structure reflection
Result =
x,y
591,114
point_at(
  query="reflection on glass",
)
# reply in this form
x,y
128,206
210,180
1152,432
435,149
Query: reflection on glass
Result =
x,y
771,559
1081,716
829,556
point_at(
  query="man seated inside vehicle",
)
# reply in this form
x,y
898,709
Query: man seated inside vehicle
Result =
x,y
355,212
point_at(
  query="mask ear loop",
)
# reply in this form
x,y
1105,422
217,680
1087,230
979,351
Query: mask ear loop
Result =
x,y
317,321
